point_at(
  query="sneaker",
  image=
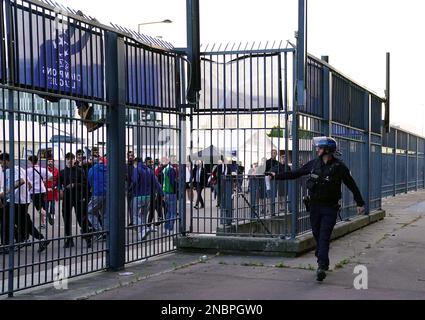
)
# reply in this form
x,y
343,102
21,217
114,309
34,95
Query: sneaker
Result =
x,y
101,237
69,243
43,226
188,202
142,236
160,221
51,220
43,245
320,274
24,243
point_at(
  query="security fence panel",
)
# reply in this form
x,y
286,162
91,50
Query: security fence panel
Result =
x,y
2,44
56,53
403,162
56,221
376,169
241,118
155,174
421,163
314,99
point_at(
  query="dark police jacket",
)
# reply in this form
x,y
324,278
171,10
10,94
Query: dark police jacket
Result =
x,y
76,176
326,185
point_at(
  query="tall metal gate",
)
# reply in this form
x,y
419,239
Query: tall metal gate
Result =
x,y
73,90
246,110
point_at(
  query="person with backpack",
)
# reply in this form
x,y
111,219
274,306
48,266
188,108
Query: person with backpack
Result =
x,y
38,177
326,173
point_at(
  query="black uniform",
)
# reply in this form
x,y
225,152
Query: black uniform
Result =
x,y
324,185
73,182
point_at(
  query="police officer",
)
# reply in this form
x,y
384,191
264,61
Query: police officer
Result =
x,y
324,187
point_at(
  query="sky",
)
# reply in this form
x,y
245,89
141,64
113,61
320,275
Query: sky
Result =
x,y
355,34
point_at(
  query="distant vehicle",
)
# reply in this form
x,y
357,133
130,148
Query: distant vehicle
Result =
x,y
57,151
65,139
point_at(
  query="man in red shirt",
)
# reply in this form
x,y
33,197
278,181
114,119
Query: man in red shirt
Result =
x,y
52,191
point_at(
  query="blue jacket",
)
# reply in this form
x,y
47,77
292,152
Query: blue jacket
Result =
x,y
143,181
98,179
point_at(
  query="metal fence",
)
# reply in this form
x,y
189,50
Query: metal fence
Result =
x,y
402,162
75,98
246,110
151,165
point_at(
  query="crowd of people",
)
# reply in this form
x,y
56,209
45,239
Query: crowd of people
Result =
x,y
81,187
152,188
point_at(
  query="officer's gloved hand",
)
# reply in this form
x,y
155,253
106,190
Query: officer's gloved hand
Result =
x,y
271,174
361,210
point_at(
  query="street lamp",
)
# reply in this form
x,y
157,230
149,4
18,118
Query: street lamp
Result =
x,y
154,22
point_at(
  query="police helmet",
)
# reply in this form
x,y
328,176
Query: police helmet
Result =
x,y
327,143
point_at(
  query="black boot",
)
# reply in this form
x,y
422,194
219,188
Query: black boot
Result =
x,y
43,245
69,243
321,274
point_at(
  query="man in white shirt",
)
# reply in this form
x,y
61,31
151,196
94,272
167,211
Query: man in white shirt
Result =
x,y
38,178
23,225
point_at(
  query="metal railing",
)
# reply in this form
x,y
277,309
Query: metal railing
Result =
x,y
403,162
70,85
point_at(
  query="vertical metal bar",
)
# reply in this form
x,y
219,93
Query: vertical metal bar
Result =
x,y
417,164
9,26
395,164
193,47
327,114
407,163
116,92
367,149
300,102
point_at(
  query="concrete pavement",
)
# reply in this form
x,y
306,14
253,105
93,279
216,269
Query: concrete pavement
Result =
x,y
393,250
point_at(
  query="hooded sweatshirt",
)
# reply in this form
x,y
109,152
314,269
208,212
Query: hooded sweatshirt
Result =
x,y
144,180
98,179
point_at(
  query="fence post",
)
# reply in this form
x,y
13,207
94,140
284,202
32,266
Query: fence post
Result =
x,y
417,164
327,104
10,107
407,163
115,93
367,149
395,164
182,147
300,102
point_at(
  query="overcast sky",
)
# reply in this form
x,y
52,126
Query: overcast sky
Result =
x,y
356,34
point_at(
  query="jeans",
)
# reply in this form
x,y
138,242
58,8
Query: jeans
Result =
x,y
141,207
271,195
170,211
97,213
50,208
254,195
323,219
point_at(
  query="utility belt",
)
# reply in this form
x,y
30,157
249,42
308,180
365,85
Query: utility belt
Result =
x,y
307,204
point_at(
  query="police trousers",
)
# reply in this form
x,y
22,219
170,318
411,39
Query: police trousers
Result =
x,y
323,219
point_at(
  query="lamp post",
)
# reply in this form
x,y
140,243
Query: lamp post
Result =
x,y
153,22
